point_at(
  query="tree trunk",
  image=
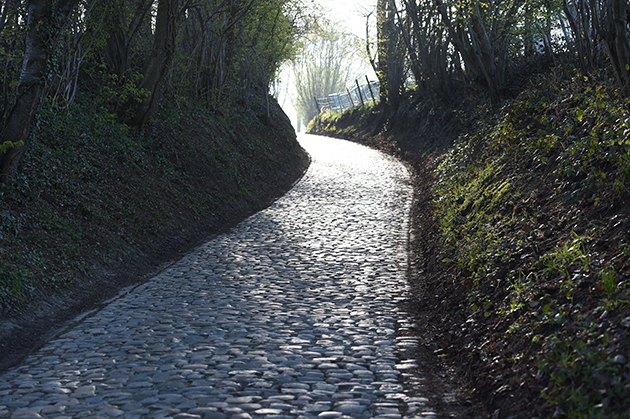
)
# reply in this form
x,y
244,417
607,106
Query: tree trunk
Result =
x,y
370,56
416,67
457,36
44,24
158,62
116,52
483,51
622,45
389,61
117,49
578,37
382,40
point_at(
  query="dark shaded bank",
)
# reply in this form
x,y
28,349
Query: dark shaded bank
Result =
x,y
519,246
99,207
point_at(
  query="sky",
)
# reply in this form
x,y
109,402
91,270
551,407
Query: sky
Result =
x,y
348,13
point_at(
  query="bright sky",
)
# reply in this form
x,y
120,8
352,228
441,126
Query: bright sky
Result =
x,y
350,12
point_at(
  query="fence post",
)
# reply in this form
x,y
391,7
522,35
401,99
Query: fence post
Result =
x,y
359,90
350,97
370,86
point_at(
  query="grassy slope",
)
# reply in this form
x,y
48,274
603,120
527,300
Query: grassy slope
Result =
x,y
97,205
521,239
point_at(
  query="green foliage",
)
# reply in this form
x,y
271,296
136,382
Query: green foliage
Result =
x,y
12,39
14,286
8,145
225,55
609,281
326,64
567,134
582,123
120,91
568,257
585,379
93,192
475,200
335,122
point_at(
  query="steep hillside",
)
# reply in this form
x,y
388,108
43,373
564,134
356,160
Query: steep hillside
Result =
x,y
99,206
520,241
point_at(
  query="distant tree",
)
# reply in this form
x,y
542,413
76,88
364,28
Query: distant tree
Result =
x,y
326,64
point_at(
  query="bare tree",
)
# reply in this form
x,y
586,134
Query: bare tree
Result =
x,y
433,62
77,41
157,64
125,21
612,25
325,66
229,50
480,32
600,28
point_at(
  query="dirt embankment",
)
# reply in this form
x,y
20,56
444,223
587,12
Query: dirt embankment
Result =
x,y
519,246
102,213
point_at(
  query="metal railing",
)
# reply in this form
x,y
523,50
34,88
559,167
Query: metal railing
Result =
x,y
360,95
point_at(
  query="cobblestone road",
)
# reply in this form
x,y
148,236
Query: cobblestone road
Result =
x,y
291,315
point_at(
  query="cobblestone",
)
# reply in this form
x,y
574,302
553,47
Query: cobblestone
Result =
x,y
290,315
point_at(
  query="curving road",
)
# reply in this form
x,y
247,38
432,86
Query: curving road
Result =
x,y
291,315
